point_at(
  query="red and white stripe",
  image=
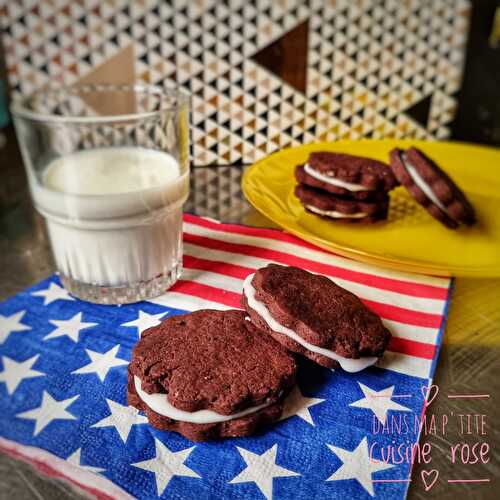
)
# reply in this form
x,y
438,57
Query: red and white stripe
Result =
x,y
218,257
86,483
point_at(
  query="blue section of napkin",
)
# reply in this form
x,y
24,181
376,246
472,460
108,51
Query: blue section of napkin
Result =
x,y
303,444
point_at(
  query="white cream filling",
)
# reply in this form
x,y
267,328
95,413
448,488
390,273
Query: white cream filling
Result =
x,y
350,186
348,364
159,403
336,215
422,184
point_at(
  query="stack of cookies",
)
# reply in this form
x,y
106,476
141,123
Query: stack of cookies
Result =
x,y
345,187
355,189
213,374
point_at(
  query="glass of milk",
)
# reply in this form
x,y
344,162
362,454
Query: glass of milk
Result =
x,y
108,168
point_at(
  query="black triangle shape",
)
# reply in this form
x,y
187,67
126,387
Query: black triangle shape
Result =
x,y
263,113
420,111
286,57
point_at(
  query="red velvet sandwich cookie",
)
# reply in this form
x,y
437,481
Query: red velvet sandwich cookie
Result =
x,y
209,374
328,205
431,187
311,315
347,175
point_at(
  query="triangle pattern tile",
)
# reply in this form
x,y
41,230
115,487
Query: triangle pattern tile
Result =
x,y
373,69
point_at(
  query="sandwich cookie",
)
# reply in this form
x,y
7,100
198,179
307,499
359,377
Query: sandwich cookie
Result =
x,y
431,187
209,374
327,205
311,315
303,177
346,175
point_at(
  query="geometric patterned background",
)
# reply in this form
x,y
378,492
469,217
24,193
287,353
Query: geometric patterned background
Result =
x,y
263,75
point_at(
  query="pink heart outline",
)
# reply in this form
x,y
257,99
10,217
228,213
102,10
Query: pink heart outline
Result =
x,y
425,474
426,391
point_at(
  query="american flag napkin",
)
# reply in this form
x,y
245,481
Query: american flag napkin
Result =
x,y
63,369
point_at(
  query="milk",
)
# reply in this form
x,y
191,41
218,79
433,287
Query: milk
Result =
x,y
114,215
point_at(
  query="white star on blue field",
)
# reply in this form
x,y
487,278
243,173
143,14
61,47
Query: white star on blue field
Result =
x,y
63,376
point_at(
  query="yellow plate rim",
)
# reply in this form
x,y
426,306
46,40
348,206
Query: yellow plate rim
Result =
x,y
354,253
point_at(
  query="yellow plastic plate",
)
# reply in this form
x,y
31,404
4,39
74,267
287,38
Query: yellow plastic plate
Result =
x,y
410,239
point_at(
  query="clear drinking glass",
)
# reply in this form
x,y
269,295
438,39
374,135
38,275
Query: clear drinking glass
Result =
x,y
108,168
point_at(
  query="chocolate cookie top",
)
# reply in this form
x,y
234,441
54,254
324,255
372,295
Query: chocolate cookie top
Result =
x,y
369,195
329,202
215,360
319,311
431,187
369,173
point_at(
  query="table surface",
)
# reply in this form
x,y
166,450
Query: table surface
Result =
x,y
468,364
